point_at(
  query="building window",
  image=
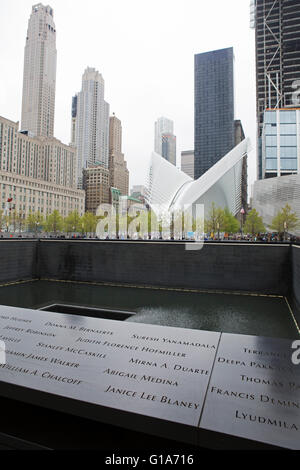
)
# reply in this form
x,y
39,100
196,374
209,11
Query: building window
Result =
x,y
270,117
288,140
288,129
271,129
289,164
288,152
271,164
271,152
271,140
287,117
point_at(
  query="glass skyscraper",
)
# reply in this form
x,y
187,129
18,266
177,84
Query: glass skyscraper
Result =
x,y
214,108
165,140
168,149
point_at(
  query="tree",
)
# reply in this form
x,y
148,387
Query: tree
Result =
x,y
54,222
153,224
21,222
215,221
34,220
73,222
231,224
285,221
89,222
2,219
12,219
140,224
254,223
121,225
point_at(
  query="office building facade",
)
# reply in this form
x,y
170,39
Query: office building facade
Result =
x,y
115,135
280,142
30,195
92,123
139,192
119,174
277,37
96,184
188,163
39,78
73,121
214,108
38,173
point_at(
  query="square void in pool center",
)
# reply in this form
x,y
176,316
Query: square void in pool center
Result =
x,y
228,313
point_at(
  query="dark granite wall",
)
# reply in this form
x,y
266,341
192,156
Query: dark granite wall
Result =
x,y
241,267
296,280
257,268
18,260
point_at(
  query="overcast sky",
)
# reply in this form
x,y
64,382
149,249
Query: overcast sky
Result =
x,y
145,52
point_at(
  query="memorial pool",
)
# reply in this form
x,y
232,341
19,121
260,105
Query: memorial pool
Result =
x,y
237,313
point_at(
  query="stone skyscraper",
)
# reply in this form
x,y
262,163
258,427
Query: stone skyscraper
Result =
x,y
214,108
92,123
39,79
115,135
37,171
119,174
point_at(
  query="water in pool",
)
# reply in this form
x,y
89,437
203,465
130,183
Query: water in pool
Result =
x,y
228,313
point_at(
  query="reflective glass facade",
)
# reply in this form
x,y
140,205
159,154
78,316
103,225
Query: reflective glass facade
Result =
x,y
169,148
214,108
281,142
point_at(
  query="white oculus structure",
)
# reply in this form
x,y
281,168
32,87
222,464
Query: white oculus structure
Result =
x,y
175,190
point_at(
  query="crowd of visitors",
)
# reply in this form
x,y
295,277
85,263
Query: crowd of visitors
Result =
x,y
221,237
